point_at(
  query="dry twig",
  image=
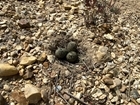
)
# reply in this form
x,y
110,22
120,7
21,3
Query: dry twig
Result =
x,y
77,99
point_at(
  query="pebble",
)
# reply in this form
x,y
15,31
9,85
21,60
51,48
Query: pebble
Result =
x,y
6,87
102,51
7,69
108,81
78,95
27,60
109,36
98,93
50,32
42,57
32,93
117,82
51,58
23,23
138,100
115,99
103,96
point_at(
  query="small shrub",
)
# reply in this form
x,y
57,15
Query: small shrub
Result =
x,y
99,11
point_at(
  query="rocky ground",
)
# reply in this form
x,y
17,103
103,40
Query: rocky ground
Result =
x,y
106,71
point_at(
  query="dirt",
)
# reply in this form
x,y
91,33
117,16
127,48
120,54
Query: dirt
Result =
x,y
52,26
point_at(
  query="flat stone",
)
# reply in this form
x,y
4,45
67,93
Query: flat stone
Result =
x,y
6,87
109,36
51,58
23,23
7,69
27,60
115,99
42,57
108,81
32,93
102,51
138,100
117,82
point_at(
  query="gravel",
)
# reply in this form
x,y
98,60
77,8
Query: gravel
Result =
x,y
107,71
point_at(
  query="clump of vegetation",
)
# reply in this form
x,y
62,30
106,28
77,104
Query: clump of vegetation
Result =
x,y
99,11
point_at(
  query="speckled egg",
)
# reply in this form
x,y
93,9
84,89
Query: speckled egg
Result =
x,y
72,57
61,53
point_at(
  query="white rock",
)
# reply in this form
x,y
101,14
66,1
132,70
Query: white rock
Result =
x,y
32,93
103,96
138,100
109,36
27,60
102,51
115,99
51,58
117,82
6,87
98,93
50,32
7,69
78,95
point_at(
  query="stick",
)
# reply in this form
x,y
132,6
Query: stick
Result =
x,y
77,99
62,98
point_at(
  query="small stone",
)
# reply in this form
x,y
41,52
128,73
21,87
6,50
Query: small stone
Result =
x,y
123,88
108,81
101,53
23,23
67,7
50,32
72,46
7,70
58,88
67,97
42,57
51,58
109,36
46,64
12,103
2,100
138,100
98,93
32,93
27,60
45,80
115,28
103,96
72,57
6,87
115,99
44,95
71,101
67,73
117,82
61,53
78,95
28,74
